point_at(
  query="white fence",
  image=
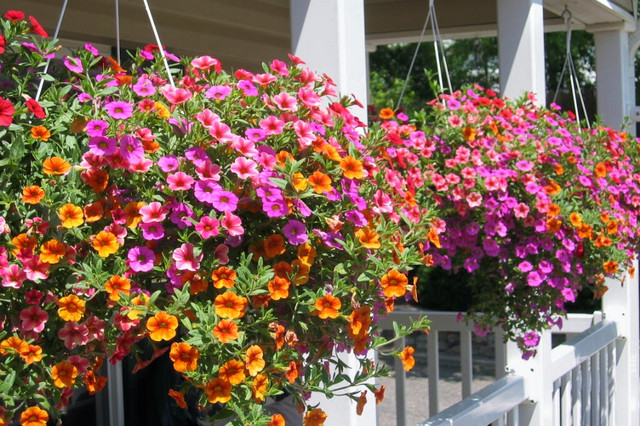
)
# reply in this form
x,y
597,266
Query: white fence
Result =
x,y
590,379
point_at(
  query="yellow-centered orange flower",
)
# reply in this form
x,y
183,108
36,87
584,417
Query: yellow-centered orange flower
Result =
x,y
116,285
351,168
32,354
299,181
386,113
226,331
13,345
184,357
55,166
40,133
71,215
218,390
162,326
610,266
314,417
328,306
64,374
254,360
52,251
178,398
394,284
368,237
406,356
34,416
71,308
259,387
232,371
32,194
279,288
320,182
223,277
230,305
105,243
274,245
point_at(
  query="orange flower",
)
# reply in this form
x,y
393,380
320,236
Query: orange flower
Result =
x,y
278,335
386,113
359,321
218,390
93,382
302,272
184,356
93,212
223,277
279,288
612,227
585,231
23,242
132,209
368,237
362,401
602,241
406,356
380,394
276,420
230,305
610,266
140,300
320,182
282,269
604,217
71,216
13,344
553,211
55,166
601,170
558,169
299,181
52,251
32,354
292,372
178,398
226,331
71,308
32,194
162,111
576,219
553,225
105,243
162,326
553,188
96,179
352,168
254,360
306,253
116,285
314,417
469,133
41,133
34,416
232,371
394,283
64,374
259,387
328,306
274,245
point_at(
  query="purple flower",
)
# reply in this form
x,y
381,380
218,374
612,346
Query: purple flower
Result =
x,y
568,294
531,339
534,279
356,217
100,145
218,92
302,208
525,266
276,207
119,110
204,191
180,215
96,127
131,149
141,259
296,232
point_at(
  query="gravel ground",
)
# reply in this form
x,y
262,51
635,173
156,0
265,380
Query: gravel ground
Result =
x,y
417,381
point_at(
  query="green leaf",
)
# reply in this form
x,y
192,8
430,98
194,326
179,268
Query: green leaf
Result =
x,y
17,150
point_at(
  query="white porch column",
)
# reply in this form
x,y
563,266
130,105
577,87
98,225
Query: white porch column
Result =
x,y
329,35
614,77
521,48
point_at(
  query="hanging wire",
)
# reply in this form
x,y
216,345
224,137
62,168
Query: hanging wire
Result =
x,y
574,82
155,33
55,36
437,41
118,31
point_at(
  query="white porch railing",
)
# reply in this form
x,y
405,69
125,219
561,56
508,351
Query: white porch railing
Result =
x,y
590,379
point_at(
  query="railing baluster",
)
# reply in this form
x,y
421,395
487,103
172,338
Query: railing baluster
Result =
x,y
586,393
604,387
595,389
513,417
576,390
556,405
401,378
466,362
565,399
611,370
500,354
433,371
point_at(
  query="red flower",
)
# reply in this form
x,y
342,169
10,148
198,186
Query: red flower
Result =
x,y
6,112
14,15
35,108
3,43
36,28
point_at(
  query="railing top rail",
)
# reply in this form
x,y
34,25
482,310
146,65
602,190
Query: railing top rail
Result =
x,y
484,406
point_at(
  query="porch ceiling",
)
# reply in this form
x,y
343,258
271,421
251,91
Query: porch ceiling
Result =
x,y
245,33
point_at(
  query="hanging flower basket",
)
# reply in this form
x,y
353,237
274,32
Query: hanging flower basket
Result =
x,y
241,225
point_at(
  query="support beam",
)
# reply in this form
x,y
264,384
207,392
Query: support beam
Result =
x,y
329,35
614,78
521,48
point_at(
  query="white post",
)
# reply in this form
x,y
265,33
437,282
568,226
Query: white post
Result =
x,y
329,35
538,410
521,48
620,304
614,77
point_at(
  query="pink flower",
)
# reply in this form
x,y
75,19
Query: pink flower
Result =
x,y
82,364
279,67
474,199
186,259
207,117
131,149
217,92
74,334
33,318
272,125
36,269
119,110
205,63
244,168
285,102
224,201
152,230
95,328
168,163
180,181
73,64
175,95
144,87
221,253
220,131
521,211
207,227
305,134
154,212
141,259
233,224
99,145
13,276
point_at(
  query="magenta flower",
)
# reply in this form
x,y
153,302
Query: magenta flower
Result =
x,y
255,135
204,191
73,64
144,87
168,163
152,230
141,259
531,338
224,201
96,127
248,88
99,145
244,168
119,110
296,232
217,92
180,181
186,258
74,334
33,318
207,227
276,207
131,149
181,215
